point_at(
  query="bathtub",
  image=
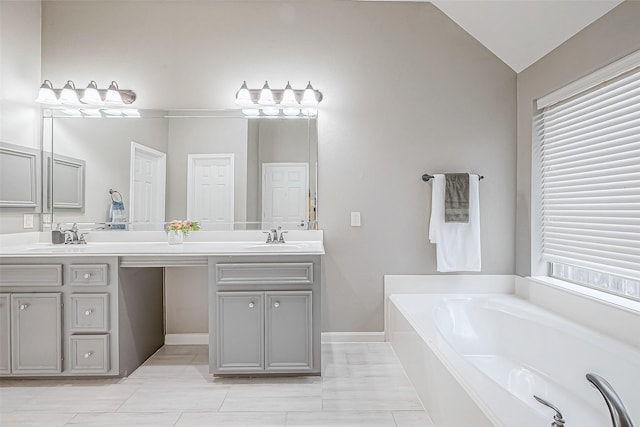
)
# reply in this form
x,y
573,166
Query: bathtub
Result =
x,y
477,360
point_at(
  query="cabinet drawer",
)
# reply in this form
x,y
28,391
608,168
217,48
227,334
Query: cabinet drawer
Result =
x,y
268,273
89,312
31,275
88,274
89,354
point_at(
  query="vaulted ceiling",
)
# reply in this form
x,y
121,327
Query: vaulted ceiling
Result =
x,y
520,32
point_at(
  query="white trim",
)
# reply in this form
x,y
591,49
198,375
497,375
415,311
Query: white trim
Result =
x,y
160,178
187,339
333,337
607,72
191,158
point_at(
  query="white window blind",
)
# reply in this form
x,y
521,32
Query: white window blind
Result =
x,y
589,157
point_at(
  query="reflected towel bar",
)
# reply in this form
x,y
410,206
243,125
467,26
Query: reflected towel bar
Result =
x,y
426,177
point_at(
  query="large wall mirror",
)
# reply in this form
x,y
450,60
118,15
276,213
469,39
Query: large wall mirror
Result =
x,y
227,171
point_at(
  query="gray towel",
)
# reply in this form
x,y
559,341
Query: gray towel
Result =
x,y
456,197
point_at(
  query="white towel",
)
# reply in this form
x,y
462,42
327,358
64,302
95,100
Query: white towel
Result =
x,y
457,244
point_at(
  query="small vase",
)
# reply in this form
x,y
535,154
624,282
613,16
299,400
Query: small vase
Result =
x,y
175,237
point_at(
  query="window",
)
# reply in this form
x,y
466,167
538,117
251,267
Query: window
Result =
x,y
588,155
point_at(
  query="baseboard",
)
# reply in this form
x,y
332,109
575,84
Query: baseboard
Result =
x,y
352,337
186,339
203,338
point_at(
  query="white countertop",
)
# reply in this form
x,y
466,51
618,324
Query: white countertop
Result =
x,y
133,245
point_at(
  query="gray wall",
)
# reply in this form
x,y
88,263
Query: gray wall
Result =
x,y
105,146
611,37
19,83
205,136
406,91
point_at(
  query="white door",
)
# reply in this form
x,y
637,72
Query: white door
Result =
x,y
210,191
147,187
285,201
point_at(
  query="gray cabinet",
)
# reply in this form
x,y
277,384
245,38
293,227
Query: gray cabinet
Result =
x,y
36,327
5,334
288,329
265,315
240,337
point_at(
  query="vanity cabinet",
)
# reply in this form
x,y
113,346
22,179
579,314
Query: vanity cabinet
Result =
x,y
265,315
5,334
36,328
68,316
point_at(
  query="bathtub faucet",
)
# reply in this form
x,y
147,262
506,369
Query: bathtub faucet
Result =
x,y
558,421
619,415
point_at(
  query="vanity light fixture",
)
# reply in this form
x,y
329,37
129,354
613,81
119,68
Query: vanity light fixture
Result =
x,y
278,102
92,95
46,94
113,96
69,96
266,96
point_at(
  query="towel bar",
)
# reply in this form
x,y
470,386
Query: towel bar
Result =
x,y
426,177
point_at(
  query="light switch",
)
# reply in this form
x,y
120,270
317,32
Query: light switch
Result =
x,y
355,219
46,218
27,221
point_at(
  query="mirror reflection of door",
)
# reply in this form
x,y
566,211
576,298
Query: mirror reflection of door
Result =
x,y
147,185
210,192
285,198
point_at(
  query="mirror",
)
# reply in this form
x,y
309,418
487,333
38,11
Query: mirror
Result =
x,y
227,171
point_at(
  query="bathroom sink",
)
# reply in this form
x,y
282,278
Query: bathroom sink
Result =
x,y
276,247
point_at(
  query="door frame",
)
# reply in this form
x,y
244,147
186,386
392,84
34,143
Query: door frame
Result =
x,y
190,171
264,184
160,179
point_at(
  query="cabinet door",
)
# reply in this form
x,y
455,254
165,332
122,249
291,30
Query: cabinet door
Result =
x,y
35,333
240,331
5,334
288,331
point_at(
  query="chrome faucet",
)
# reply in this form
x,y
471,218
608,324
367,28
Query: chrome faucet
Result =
x,y
619,415
558,421
71,236
275,235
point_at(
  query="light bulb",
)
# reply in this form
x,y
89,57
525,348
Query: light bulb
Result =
x,y
91,112
271,111
91,94
289,97
309,97
112,112
266,97
243,96
113,95
290,111
46,95
250,111
69,95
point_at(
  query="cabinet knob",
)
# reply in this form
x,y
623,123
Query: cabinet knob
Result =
x,y
87,354
87,275
276,304
24,306
251,305
88,312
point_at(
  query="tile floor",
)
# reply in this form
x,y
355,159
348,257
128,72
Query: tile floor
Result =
x,y
363,384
